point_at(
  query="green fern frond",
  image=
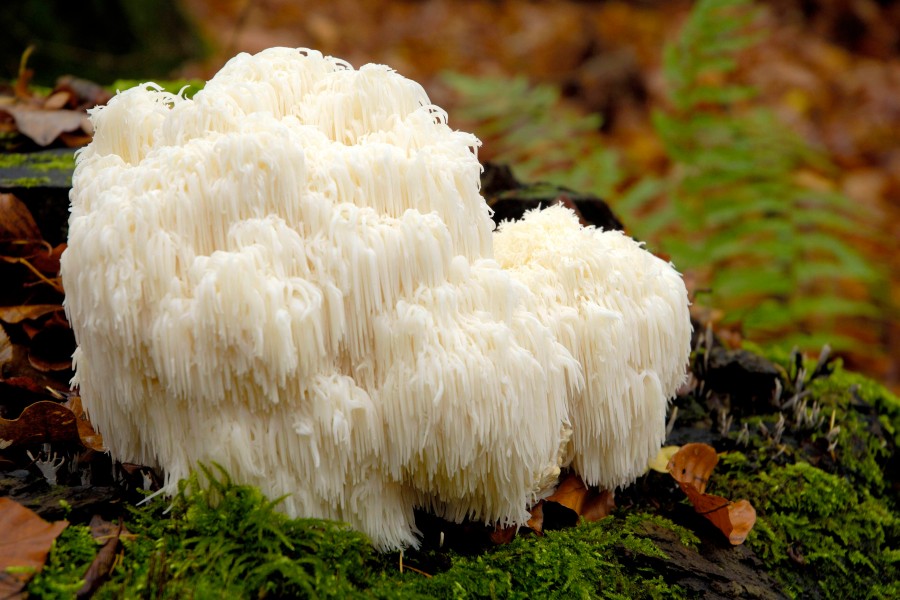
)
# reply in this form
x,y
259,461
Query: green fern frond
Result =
x,y
778,253
531,128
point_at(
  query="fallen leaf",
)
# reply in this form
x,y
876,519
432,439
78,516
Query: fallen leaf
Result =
x,y
598,505
89,437
52,348
48,261
47,422
16,314
25,543
44,126
503,534
536,522
693,464
6,349
16,222
691,467
660,462
588,503
109,535
57,100
570,493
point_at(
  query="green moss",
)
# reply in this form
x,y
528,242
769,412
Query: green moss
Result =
x,y
69,559
190,86
39,161
587,561
816,531
227,541
26,182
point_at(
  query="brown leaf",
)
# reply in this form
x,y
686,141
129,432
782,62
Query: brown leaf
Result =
x,y
16,222
6,349
588,503
536,522
57,100
570,493
87,92
44,126
46,422
89,437
25,543
503,535
15,314
52,348
109,535
691,467
48,261
598,505
693,464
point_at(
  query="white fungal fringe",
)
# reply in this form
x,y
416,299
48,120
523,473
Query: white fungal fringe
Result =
x,y
623,314
292,275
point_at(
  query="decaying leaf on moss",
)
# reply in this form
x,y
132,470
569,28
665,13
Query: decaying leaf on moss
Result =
x,y
691,467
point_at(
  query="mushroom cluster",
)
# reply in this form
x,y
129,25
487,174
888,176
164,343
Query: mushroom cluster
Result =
x,y
293,275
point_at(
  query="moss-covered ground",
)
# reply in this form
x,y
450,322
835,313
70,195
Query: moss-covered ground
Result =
x,y
816,456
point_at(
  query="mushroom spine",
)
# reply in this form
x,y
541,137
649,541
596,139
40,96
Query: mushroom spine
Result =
x,y
293,274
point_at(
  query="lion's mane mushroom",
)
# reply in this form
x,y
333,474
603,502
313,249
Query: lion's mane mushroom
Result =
x,y
623,314
291,275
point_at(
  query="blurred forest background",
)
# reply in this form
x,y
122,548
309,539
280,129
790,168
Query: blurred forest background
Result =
x,y
756,144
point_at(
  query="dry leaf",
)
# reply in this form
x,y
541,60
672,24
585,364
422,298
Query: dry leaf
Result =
x,y
15,314
598,505
25,543
89,437
109,535
503,535
57,100
536,522
48,261
660,462
44,126
52,348
6,349
46,422
570,493
588,503
693,464
691,467
16,222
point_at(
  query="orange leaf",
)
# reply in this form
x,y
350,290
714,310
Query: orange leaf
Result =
x,y
570,493
26,540
588,503
691,467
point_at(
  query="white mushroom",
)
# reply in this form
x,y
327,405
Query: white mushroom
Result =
x,y
623,313
291,275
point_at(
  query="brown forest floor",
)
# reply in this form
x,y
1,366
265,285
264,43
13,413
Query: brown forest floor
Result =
x,y
831,69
